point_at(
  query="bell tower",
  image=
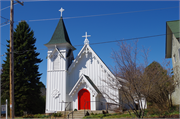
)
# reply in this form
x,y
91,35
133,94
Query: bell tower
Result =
x,y
59,57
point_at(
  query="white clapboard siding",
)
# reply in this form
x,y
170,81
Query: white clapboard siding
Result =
x,y
56,81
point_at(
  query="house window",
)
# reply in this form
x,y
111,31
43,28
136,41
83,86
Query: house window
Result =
x,y
178,40
174,57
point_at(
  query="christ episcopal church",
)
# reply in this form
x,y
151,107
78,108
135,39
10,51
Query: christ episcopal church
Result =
x,y
74,83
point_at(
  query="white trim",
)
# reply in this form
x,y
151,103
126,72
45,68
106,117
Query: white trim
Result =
x,y
56,70
80,81
60,54
67,45
77,58
51,54
50,111
90,50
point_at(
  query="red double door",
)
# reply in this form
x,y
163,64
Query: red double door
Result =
x,y
84,99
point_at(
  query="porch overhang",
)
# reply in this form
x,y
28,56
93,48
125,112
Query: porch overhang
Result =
x,y
87,83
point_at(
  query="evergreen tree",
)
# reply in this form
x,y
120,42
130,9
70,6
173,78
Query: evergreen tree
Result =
x,y
26,76
162,85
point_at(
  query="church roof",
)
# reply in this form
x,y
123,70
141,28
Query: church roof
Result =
x,y
93,85
60,34
84,79
83,50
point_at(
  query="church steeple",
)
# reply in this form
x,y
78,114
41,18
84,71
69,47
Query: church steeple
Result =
x,y
60,35
59,57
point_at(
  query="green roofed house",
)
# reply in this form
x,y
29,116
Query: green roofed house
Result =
x,y
173,51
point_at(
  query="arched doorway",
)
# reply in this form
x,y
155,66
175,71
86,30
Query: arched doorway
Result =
x,y
84,99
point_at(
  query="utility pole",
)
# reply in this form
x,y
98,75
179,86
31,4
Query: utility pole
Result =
x,y
11,62
12,59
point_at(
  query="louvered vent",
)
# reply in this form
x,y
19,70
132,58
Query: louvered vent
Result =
x,y
56,62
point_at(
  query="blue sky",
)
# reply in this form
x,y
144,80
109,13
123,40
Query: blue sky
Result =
x,y
130,23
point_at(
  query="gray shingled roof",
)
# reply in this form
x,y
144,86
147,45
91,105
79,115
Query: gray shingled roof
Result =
x,y
90,81
60,34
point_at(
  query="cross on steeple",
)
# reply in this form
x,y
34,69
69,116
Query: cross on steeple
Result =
x,y
61,10
86,41
86,35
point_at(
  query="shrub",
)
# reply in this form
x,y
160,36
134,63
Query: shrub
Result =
x,y
57,114
28,116
40,116
44,116
87,113
37,116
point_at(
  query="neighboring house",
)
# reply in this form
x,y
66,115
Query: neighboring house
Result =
x,y
173,51
78,80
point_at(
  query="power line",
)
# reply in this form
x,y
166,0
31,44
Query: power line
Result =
x,y
40,20
4,18
4,24
100,14
22,52
120,13
5,8
40,0
2,44
125,39
7,20
97,15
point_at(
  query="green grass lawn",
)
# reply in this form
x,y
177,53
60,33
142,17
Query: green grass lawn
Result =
x,y
109,116
98,116
149,113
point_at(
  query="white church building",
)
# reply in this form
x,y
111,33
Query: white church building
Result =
x,y
74,83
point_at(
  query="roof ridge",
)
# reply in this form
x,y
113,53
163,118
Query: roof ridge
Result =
x,y
79,56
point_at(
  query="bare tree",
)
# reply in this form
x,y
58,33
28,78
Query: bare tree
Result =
x,y
134,82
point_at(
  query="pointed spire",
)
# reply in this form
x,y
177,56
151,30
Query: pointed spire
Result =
x,y
60,34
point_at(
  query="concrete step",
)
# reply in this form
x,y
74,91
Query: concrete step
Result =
x,y
100,111
77,114
80,113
